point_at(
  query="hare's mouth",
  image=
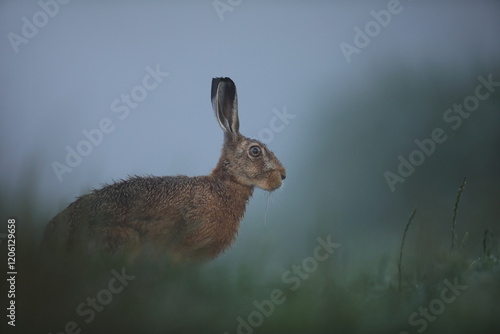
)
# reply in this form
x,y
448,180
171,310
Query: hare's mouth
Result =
x,y
273,181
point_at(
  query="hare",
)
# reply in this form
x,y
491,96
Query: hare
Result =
x,y
185,218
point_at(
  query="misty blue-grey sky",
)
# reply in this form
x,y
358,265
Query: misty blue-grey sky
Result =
x,y
66,67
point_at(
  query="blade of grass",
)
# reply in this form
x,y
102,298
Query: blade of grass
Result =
x,y
402,245
455,210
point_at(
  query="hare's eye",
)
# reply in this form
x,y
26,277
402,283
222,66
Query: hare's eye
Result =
x,y
255,151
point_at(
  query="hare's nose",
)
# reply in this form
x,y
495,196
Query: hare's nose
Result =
x,y
282,171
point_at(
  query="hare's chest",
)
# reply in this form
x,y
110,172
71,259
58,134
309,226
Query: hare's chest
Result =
x,y
211,223
209,238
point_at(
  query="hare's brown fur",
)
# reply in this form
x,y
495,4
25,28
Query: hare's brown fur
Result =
x,y
184,217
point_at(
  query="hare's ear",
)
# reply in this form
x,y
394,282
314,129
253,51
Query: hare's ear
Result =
x,y
225,104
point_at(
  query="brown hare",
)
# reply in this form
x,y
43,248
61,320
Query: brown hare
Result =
x,y
185,218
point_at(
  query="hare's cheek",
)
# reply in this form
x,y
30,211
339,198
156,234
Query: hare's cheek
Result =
x,y
246,180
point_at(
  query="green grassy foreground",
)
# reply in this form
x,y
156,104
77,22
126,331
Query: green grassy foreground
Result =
x,y
441,292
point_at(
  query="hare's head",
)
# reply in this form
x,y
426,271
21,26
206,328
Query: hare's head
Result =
x,y
245,160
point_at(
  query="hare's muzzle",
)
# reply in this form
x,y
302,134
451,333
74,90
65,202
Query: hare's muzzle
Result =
x,y
275,179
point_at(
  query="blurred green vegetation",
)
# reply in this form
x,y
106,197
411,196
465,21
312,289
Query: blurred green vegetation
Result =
x,y
210,297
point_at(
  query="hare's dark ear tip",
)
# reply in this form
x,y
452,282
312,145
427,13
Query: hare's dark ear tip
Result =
x,y
221,80
225,80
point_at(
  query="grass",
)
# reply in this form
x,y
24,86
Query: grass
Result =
x,y
455,211
212,297
402,246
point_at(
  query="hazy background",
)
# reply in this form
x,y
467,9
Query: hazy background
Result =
x,y
351,119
